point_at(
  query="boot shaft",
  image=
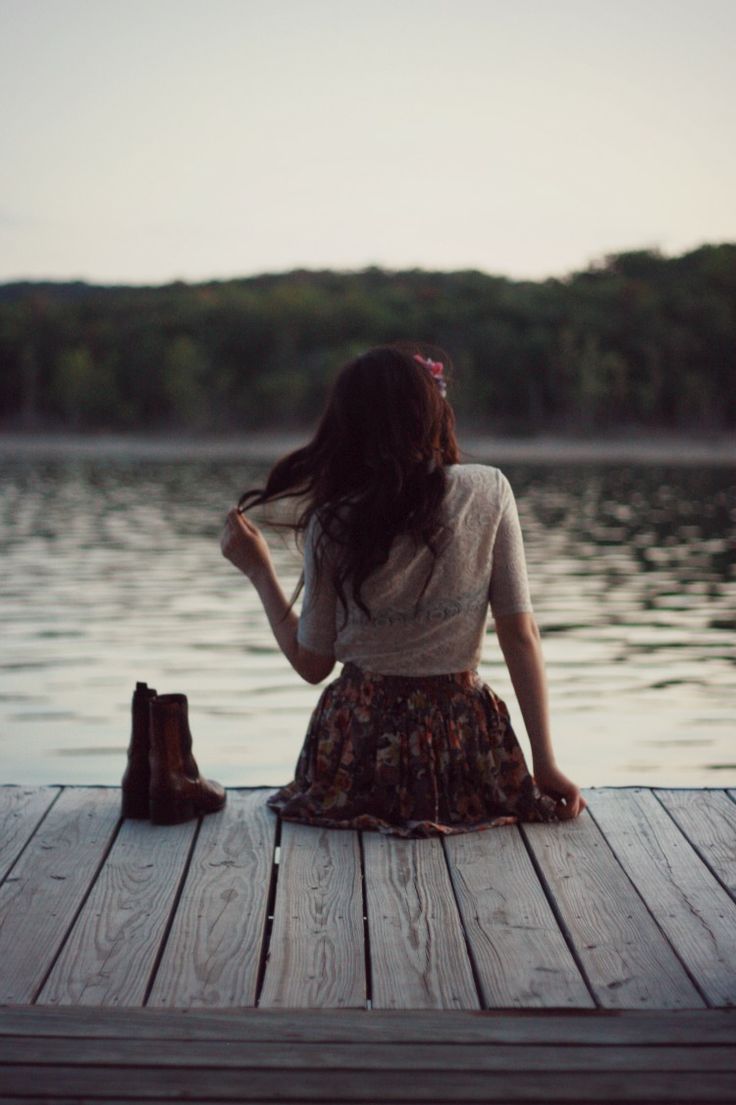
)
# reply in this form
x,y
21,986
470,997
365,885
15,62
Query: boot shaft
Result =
x,y
169,728
137,776
177,792
139,736
179,703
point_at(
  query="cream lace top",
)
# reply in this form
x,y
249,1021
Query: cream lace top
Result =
x,y
481,561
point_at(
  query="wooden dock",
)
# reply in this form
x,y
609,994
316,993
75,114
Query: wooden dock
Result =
x,y
240,958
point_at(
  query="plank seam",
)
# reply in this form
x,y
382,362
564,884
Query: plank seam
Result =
x,y
184,1039
657,1052
679,958
36,827
172,912
468,945
566,934
694,845
366,931
75,917
270,905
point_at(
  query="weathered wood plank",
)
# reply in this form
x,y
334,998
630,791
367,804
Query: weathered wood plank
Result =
x,y
627,960
40,897
361,1055
460,1026
21,809
171,1084
418,958
521,957
110,953
691,907
708,820
714,837
316,953
214,948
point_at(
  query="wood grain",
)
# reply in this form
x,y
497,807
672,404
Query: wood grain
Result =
x,y
649,926
435,1055
626,959
340,1086
418,957
691,907
708,820
520,955
316,952
21,809
612,1027
213,951
110,953
40,897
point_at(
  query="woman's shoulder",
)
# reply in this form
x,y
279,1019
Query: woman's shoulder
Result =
x,y
482,477
476,491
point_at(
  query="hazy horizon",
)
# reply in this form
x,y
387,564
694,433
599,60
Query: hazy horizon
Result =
x,y
266,273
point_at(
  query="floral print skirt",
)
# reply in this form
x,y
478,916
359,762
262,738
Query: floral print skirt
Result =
x,y
411,756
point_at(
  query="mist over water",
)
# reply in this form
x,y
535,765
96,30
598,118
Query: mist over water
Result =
x,y
112,573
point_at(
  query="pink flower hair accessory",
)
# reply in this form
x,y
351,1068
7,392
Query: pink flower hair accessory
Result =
x,y
437,370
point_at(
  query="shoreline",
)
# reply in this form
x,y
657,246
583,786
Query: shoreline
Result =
x,y
265,446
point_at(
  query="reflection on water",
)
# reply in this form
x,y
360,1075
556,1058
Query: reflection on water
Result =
x,y
112,573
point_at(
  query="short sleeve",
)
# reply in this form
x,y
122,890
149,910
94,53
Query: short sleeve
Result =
x,y
317,622
509,589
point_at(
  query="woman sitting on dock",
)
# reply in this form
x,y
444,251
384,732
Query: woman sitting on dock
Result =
x,y
404,550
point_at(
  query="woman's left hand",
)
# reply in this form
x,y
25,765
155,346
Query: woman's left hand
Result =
x,y
244,545
551,781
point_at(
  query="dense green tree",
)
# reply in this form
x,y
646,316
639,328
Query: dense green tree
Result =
x,y
635,338
184,381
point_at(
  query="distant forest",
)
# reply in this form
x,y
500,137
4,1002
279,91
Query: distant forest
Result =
x,y
637,339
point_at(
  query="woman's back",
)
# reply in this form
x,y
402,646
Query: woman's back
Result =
x,y
404,551
480,557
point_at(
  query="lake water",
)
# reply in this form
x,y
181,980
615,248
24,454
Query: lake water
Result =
x,y
112,573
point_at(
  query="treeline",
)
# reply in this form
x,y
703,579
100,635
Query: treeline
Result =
x,y
636,339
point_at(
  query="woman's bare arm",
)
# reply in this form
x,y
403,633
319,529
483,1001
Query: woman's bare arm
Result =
x,y
244,546
519,638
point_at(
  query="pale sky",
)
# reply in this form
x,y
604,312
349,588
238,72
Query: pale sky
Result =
x,y
143,141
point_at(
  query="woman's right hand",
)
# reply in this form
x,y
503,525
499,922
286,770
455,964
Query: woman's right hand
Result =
x,y
551,781
244,545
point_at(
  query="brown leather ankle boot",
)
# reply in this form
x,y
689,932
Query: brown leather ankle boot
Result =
x,y
177,791
136,782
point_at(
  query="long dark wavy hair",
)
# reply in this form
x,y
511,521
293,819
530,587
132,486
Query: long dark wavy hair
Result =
x,y
374,468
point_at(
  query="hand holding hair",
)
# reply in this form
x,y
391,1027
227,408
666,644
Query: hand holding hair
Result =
x,y
243,544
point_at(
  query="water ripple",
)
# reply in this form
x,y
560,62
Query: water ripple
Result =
x,y
112,573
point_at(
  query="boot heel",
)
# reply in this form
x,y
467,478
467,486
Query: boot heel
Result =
x,y
135,806
171,811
